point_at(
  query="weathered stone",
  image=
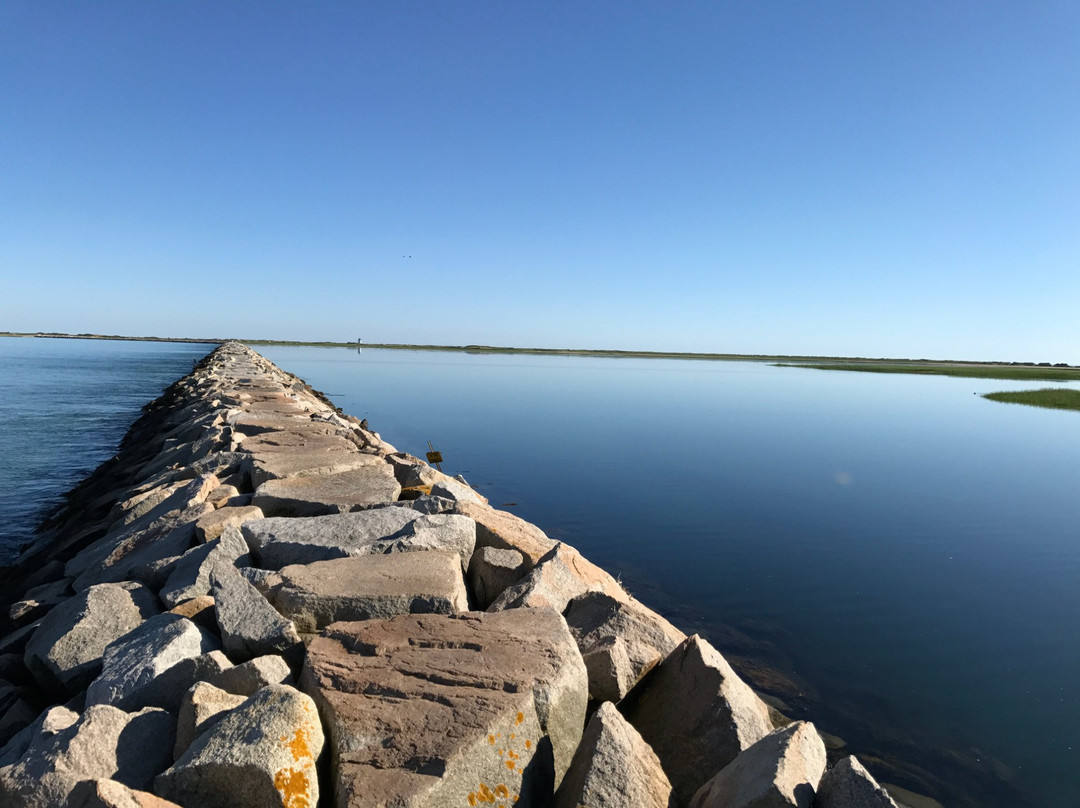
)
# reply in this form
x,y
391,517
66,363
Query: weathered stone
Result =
x,y
45,725
191,575
279,542
327,456
36,602
141,503
222,494
213,524
492,570
249,625
433,710
457,491
111,794
781,770
104,743
202,706
168,689
199,610
696,714
620,641
560,575
371,587
849,785
65,653
156,572
133,662
149,537
251,676
504,530
261,754
172,535
342,492
614,766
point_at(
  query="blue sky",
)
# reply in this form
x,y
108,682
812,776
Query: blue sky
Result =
x,y
864,178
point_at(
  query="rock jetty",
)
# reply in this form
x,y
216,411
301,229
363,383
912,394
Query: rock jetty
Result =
x,y
259,602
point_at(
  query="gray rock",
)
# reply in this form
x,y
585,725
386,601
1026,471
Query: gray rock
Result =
x,y
202,706
454,490
36,602
432,710
492,570
249,625
105,743
562,574
65,653
614,766
111,794
172,535
133,662
50,722
191,574
343,492
505,531
278,542
371,587
213,524
781,770
620,641
696,714
251,676
261,753
849,785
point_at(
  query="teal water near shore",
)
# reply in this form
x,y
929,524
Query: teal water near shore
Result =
x,y
893,556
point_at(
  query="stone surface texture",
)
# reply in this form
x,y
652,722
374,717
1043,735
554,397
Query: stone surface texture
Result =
x,y
849,785
371,587
696,714
614,766
782,770
66,651
262,754
430,710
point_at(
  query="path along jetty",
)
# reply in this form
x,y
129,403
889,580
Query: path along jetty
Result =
x,y
259,602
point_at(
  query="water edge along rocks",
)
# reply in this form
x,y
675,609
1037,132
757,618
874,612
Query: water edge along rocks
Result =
x,y
260,602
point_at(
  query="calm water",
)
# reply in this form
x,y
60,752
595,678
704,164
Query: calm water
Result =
x,y
64,406
903,555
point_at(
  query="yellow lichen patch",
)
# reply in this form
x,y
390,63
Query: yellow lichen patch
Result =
x,y
299,745
528,744
520,718
294,787
501,790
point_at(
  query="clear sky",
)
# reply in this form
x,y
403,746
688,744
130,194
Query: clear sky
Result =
x,y
863,178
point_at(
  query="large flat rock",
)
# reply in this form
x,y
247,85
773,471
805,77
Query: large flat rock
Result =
x,y
371,587
341,492
278,542
430,710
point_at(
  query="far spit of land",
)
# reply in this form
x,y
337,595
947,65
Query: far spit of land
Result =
x,y
1021,371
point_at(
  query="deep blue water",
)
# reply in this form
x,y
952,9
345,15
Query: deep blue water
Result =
x,y
903,550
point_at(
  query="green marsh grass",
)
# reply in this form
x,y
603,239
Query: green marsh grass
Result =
x,y
1055,398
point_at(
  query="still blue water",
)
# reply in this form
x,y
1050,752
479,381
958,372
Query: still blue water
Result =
x,y
64,406
905,551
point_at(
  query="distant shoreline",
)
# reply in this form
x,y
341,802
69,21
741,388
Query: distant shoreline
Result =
x,y
939,367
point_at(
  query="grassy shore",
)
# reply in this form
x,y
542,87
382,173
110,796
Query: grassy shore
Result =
x,y
971,370
1023,371
1053,398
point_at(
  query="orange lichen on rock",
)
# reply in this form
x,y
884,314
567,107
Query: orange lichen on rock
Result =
x,y
294,787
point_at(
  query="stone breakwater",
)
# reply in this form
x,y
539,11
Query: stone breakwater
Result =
x,y
259,602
